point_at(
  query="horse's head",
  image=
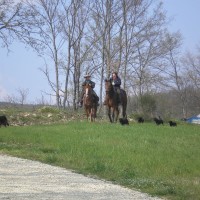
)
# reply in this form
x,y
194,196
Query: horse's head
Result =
x,y
108,86
87,89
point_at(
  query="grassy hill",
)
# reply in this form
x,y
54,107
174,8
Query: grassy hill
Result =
x,y
36,115
159,160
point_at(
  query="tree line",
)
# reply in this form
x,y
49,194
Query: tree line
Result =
x,y
131,37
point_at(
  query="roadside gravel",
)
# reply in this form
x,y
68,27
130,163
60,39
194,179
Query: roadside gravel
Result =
x,y
22,179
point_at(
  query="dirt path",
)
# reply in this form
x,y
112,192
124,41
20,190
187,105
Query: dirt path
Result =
x,y
22,179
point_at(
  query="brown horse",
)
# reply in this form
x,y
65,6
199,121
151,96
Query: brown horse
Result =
x,y
112,102
89,103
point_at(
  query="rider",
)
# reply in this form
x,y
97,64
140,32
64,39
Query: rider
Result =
x,y
116,82
88,80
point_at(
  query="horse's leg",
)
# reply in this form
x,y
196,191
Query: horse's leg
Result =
x,y
124,111
90,114
94,113
117,114
91,117
87,114
109,114
124,105
113,114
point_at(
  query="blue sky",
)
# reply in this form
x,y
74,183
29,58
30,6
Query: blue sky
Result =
x,y
186,15
20,68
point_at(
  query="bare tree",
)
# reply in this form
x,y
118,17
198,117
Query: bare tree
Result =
x,y
46,39
73,20
132,35
143,32
11,99
191,63
176,78
23,94
20,98
103,33
13,20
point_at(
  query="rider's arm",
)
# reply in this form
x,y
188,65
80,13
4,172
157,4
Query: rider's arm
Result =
x,y
117,82
92,84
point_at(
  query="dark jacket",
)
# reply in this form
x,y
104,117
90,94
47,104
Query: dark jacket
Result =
x,y
116,82
90,82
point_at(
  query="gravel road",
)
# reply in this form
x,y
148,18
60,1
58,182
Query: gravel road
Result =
x,y
22,179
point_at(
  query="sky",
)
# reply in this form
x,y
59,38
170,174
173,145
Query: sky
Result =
x,y
19,69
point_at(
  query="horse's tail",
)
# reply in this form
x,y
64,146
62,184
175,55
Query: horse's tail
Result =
x,y
124,102
124,95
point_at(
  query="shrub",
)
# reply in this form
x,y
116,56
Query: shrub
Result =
x,y
47,109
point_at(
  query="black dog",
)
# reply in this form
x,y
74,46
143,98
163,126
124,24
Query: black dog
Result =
x,y
123,121
3,121
140,120
158,121
171,123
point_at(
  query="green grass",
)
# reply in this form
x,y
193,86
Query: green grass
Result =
x,y
160,160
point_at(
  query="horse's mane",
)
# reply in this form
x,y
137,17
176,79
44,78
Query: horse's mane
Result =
x,y
110,92
110,86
